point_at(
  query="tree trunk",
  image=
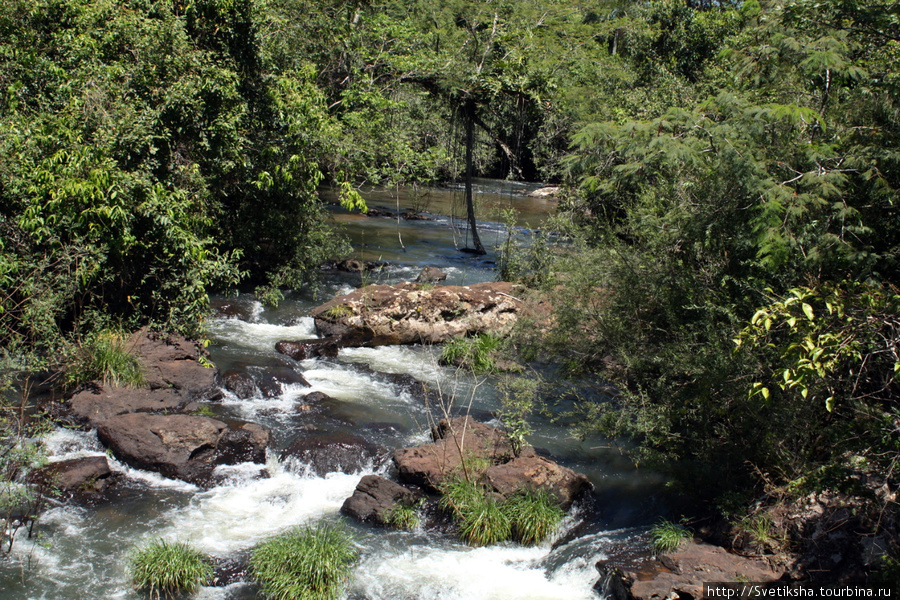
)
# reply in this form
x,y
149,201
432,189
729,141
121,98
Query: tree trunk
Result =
x,y
470,205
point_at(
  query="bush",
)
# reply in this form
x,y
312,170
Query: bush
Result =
x,y
306,563
166,568
473,353
105,358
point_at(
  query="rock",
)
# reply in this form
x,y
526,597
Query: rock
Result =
x,y
301,350
685,571
431,274
95,404
416,216
240,384
335,453
545,192
273,380
231,309
81,479
172,361
537,473
404,314
182,446
379,211
429,465
374,498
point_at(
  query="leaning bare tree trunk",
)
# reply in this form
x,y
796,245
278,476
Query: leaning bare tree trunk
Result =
x,y
470,205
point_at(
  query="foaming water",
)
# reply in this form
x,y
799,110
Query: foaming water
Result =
x,y
260,336
505,572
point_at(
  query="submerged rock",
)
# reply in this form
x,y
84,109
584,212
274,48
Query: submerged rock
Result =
x,y
335,453
406,314
375,497
182,446
240,384
303,349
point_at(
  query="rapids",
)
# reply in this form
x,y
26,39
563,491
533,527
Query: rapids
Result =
x,y
80,553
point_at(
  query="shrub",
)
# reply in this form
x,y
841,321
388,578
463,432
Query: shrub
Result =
x,y
306,563
667,536
473,353
105,357
534,516
166,568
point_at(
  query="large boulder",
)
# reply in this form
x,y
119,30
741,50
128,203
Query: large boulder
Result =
x,y
430,274
335,453
375,497
95,403
429,465
536,473
174,362
407,313
182,446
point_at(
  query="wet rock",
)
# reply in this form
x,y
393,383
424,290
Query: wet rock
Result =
x,y
273,380
231,309
431,274
379,211
182,446
335,453
404,314
429,465
233,569
301,350
84,480
95,404
545,192
374,498
416,216
535,472
240,384
174,362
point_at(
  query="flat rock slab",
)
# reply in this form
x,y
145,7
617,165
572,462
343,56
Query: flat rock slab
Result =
x,y
684,572
182,446
84,480
409,313
96,403
375,497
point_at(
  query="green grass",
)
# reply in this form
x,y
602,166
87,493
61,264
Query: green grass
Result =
x,y
403,516
534,516
475,353
167,568
306,563
527,517
104,357
339,311
667,536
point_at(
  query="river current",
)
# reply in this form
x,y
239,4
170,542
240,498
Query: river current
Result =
x,y
80,553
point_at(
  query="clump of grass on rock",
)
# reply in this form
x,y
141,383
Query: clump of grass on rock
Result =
x,y
168,568
306,563
667,536
104,357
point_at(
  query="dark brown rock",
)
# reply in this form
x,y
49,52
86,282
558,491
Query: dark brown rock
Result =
x,y
95,404
82,479
537,473
374,498
182,446
240,384
333,453
273,380
301,350
405,314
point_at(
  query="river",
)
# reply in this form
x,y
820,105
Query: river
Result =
x,y
81,553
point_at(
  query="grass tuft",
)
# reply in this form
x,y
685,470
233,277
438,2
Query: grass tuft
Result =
x,y
104,358
403,516
534,516
167,568
306,563
475,353
667,536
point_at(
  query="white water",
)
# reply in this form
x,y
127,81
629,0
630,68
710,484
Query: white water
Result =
x,y
83,552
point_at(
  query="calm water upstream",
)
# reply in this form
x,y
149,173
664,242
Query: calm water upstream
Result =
x,y
81,553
